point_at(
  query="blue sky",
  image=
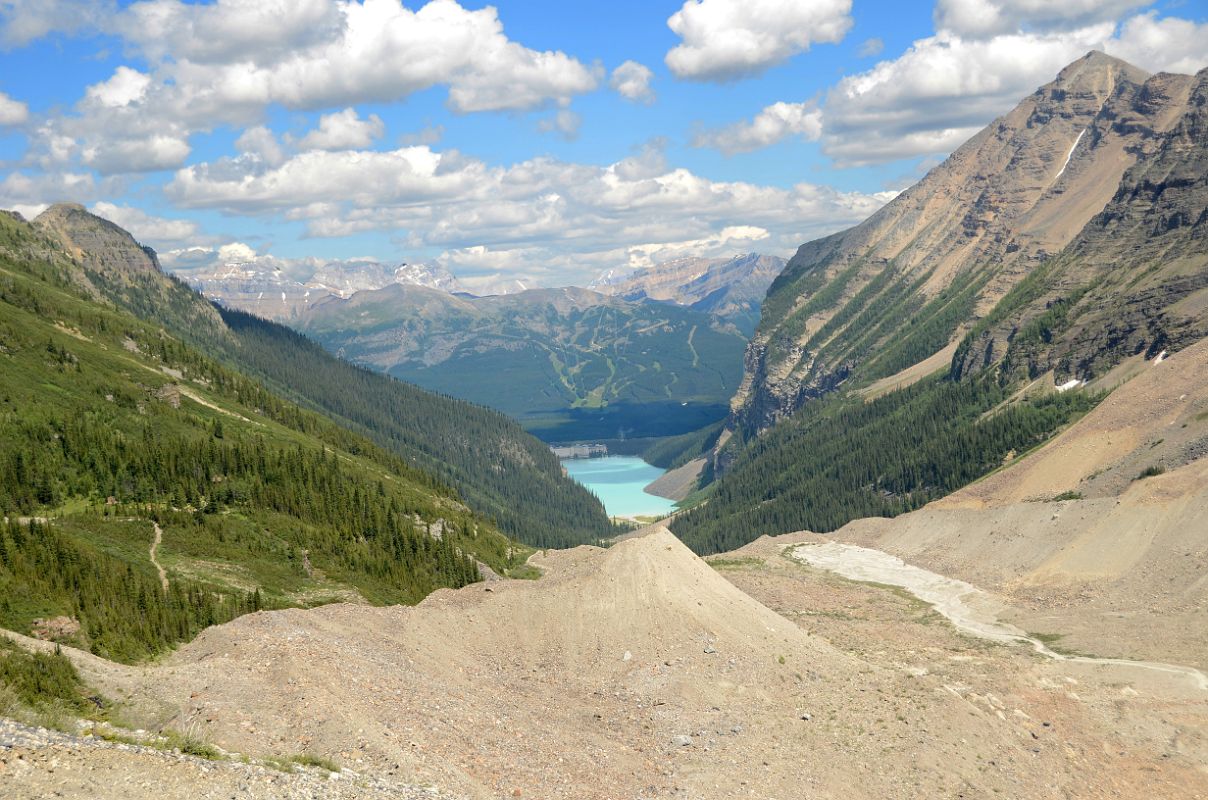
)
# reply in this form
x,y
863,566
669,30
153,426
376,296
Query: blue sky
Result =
x,y
536,139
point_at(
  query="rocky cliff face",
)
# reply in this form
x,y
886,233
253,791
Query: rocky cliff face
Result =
x,y
913,279
1135,280
96,243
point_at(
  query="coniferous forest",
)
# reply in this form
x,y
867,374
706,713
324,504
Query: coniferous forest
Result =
x,y
111,428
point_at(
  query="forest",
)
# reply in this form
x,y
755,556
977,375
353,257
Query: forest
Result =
x,y
841,458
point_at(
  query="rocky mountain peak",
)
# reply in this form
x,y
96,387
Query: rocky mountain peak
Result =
x,y
96,243
909,281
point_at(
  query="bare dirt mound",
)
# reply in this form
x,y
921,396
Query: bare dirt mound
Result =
x,y
577,685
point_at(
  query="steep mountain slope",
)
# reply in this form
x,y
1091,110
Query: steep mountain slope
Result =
x,y
499,470
569,363
1135,280
968,276
873,300
732,288
183,493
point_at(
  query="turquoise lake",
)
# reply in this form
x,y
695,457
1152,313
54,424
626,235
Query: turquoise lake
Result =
x,y
619,482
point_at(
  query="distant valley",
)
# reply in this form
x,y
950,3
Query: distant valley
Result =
x,y
648,353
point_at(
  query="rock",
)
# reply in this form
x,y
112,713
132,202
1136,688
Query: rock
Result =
x,y
683,740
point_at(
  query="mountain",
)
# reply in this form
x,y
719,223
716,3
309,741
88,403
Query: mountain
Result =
x,y
901,359
732,288
570,363
500,471
910,281
266,290
149,491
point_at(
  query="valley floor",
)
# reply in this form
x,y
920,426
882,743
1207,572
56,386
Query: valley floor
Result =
x,y
642,672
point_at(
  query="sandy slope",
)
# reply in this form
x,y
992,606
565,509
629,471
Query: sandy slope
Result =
x,y
581,684
1122,572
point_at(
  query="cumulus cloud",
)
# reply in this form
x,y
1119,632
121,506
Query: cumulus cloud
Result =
x,y
945,88
771,125
564,122
631,80
114,156
1162,45
12,112
226,62
158,232
23,21
260,143
577,217
378,50
124,87
983,18
728,39
343,130
31,194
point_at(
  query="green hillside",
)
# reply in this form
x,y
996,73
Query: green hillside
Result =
x,y
110,426
499,471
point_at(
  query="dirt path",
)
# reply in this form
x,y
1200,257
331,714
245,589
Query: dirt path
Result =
x,y
155,543
967,607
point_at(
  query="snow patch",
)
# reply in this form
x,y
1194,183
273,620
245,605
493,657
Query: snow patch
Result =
x,y
1070,154
1072,383
1160,357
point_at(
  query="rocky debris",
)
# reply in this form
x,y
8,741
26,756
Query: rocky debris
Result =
x,y
37,763
170,394
55,628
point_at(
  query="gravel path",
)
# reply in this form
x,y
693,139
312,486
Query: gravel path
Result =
x,y
155,543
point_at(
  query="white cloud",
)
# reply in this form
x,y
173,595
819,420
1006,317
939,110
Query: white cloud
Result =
x,y
156,231
573,218
229,30
727,39
343,130
945,88
982,18
871,47
226,62
22,21
124,87
631,80
112,156
771,125
564,122
1162,45
12,112
30,194
261,143
377,50
429,134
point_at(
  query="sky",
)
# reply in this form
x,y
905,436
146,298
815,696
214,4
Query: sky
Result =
x,y
544,140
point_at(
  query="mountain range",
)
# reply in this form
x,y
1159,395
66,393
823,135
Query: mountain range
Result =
x,y
648,353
